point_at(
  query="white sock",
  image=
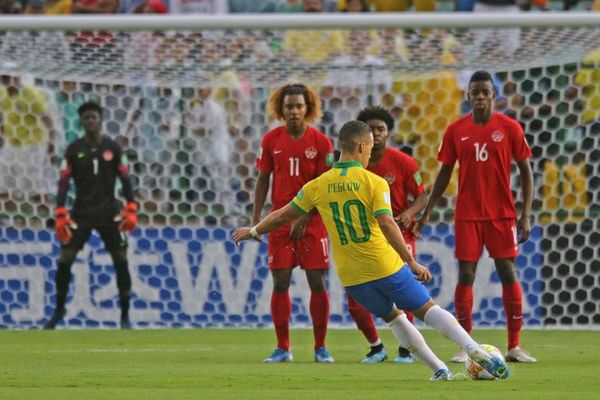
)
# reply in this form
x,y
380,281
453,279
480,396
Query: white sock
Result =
x,y
445,323
376,343
410,338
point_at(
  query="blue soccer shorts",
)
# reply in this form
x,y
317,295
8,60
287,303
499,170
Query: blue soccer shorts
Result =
x,y
400,288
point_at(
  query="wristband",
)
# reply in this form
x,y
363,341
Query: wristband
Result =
x,y
254,233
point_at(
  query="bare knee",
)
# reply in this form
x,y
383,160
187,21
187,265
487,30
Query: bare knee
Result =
x,y
466,272
395,313
316,280
281,280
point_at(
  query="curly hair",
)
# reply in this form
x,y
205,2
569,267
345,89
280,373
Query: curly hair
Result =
x,y
380,113
313,102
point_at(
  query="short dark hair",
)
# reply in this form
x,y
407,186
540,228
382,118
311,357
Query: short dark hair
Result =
x,y
350,131
481,76
376,112
89,106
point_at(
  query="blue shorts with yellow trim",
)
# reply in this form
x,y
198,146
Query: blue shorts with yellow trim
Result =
x,y
400,288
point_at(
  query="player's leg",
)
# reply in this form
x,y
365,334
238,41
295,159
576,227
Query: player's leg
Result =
x,y
364,321
409,239
447,325
313,257
375,298
68,252
319,312
502,246
280,263
404,355
115,242
469,245
281,309
463,301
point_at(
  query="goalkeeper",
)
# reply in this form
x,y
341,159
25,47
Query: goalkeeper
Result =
x,y
94,162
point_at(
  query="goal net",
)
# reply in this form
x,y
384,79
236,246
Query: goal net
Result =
x,y
187,102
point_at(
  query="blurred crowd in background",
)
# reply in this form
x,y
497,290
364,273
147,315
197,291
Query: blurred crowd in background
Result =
x,y
61,7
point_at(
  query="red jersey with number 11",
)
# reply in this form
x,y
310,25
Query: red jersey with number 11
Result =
x,y
293,162
484,154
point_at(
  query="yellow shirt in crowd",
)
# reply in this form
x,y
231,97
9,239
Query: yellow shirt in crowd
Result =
x,y
22,116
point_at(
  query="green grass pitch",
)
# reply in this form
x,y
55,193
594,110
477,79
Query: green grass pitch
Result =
x,y
226,364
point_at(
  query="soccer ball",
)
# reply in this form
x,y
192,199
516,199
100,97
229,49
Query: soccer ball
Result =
x,y
476,371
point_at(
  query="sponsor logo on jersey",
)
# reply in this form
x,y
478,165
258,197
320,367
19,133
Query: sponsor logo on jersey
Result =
x,y
107,155
390,178
497,136
417,177
81,154
463,138
387,198
310,152
259,155
329,159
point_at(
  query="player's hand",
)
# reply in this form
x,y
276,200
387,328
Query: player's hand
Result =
x,y
243,233
416,229
523,229
63,225
128,217
421,272
404,220
298,228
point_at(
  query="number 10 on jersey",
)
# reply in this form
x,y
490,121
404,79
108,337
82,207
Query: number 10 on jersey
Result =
x,y
347,223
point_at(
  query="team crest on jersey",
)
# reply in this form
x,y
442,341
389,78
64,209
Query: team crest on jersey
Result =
x,y
497,136
390,178
107,155
310,152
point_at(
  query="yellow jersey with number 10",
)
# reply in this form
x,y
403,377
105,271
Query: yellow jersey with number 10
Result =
x,y
349,197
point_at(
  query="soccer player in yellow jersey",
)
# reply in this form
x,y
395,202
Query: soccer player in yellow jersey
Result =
x,y
369,250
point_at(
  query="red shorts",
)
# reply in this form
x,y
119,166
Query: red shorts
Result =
x,y
499,237
409,239
311,252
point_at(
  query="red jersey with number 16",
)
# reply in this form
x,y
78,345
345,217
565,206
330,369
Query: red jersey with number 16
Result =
x,y
484,154
293,162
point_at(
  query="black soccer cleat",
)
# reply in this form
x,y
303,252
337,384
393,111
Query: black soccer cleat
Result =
x,y
56,318
125,323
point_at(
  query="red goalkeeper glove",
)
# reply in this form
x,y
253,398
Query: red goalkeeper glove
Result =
x,y
63,224
129,217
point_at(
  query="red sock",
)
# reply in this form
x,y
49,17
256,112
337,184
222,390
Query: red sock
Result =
x,y
463,306
319,312
363,320
410,316
512,298
281,308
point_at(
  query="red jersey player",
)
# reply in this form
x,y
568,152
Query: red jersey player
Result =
x,y
484,143
294,154
408,199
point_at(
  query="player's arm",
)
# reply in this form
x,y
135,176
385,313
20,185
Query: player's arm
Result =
x,y
523,224
273,221
393,235
128,216
439,187
62,221
260,195
406,217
